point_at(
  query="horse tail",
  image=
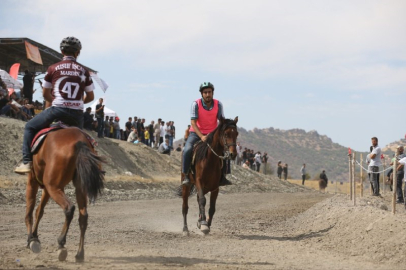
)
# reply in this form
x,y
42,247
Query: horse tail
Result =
x,y
88,170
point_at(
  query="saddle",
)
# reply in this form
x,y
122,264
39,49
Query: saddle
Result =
x,y
41,135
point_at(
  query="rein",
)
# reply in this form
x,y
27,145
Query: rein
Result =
x,y
227,153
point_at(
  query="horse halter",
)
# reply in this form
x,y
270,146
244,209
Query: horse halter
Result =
x,y
226,146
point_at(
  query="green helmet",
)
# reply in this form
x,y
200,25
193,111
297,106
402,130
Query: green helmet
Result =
x,y
206,85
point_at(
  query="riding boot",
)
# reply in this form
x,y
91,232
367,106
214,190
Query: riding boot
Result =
x,y
224,181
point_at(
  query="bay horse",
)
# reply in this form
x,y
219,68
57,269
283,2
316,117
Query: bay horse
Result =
x,y
65,155
208,163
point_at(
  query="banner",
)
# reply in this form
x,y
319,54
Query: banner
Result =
x,y
103,85
33,53
13,74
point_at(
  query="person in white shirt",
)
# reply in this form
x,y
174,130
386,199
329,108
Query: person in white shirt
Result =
x,y
164,147
258,160
132,137
374,164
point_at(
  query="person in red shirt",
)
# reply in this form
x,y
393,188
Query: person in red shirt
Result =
x,y
205,113
66,88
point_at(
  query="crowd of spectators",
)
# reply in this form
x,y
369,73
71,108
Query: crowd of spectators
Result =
x,y
17,105
249,159
159,135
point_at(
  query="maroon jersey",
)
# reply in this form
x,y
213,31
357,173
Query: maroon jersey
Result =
x,y
68,80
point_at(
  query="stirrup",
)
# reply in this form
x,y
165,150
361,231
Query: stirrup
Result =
x,y
186,181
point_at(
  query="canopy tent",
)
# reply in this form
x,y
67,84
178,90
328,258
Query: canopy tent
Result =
x,y
107,112
9,81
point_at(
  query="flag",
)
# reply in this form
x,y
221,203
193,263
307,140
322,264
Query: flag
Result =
x,y
103,85
13,73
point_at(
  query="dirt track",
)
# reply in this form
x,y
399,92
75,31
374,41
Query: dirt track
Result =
x,y
250,231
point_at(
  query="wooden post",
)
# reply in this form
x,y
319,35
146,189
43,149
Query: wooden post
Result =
x,y
395,164
383,176
353,179
350,175
362,182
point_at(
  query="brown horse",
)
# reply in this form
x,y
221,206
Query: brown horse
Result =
x,y
208,164
65,155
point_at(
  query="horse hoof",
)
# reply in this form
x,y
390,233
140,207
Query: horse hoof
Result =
x,y
198,224
62,254
186,233
35,246
204,229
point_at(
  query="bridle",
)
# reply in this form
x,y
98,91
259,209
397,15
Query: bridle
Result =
x,y
226,146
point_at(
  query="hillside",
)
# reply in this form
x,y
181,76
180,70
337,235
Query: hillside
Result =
x,y
296,147
392,146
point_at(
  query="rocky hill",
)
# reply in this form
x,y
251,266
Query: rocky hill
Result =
x,y
392,146
295,147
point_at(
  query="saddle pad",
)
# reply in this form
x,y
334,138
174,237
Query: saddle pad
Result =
x,y
40,136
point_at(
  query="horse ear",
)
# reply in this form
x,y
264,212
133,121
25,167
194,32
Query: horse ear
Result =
x,y
222,120
236,119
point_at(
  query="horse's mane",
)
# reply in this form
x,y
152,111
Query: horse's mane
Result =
x,y
202,148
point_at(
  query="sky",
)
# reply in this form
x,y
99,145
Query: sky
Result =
x,y
337,67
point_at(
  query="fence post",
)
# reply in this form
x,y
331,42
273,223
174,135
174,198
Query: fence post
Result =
x,y
383,176
362,180
395,164
354,189
350,174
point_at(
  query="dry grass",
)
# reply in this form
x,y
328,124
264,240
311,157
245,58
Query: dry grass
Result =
x,y
336,187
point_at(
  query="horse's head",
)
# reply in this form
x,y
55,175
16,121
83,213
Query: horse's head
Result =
x,y
229,136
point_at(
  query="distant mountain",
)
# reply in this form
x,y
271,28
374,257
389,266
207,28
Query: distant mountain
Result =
x,y
295,147
393,145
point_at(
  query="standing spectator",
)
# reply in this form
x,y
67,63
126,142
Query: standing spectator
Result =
x,y
157,132
258,160
139,129
146,136
142,135
401,167
244,155
323,176
399,175
162,132
116,127
374,165
100,117
111,122
28,81
171,134
252,159
135,123
265,161
150,129
128,126
107,127
239,152
285,171
279,169
87,119
303,172
164,147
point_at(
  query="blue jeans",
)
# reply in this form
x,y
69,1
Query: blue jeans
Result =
x,y
100,127
43,120
171,142
117,134
188,151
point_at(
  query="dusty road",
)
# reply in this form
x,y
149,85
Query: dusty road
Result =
x,y
249,232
